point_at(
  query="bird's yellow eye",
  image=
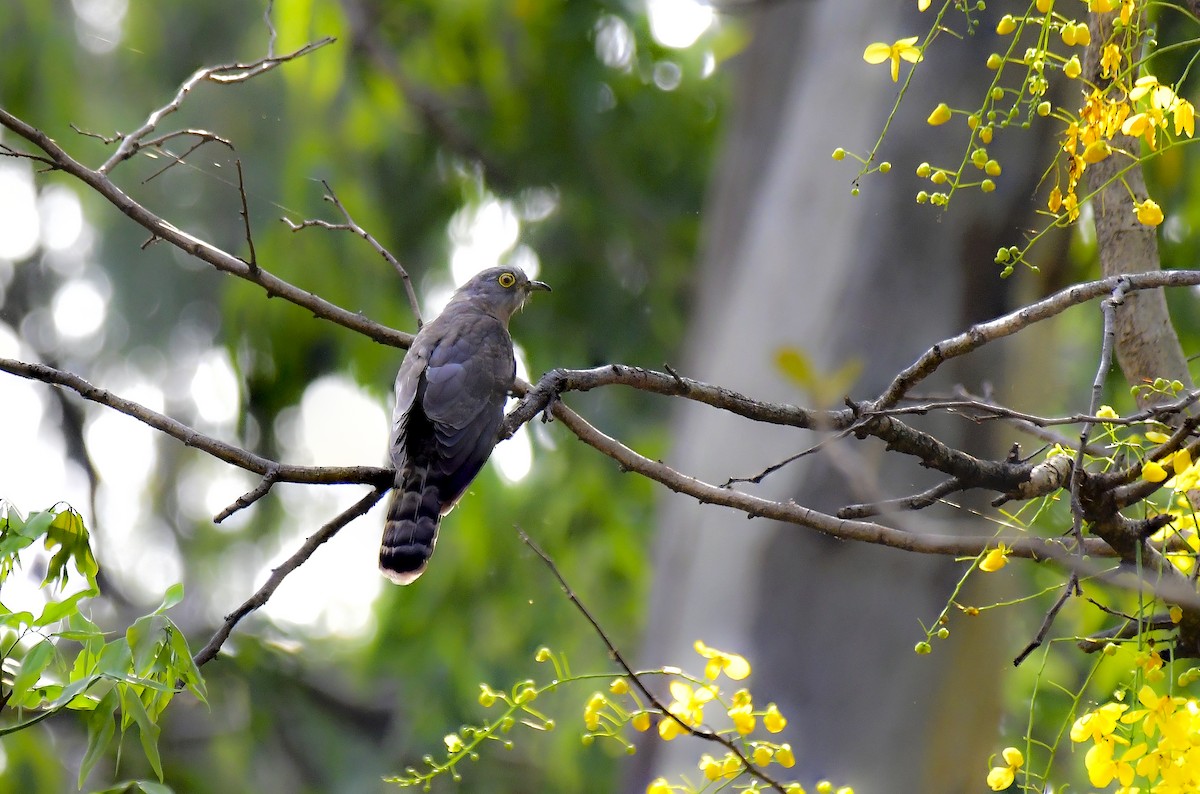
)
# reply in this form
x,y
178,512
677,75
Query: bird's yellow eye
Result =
x,y
506,280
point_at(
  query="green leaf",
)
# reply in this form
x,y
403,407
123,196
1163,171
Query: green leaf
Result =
x,y
16,620
71,536
185,668
32,667
37,525
115,659
57,610
135,786
131,706
172,597
144,638
102,726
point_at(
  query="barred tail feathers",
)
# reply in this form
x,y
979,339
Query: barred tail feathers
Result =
x,y
410,532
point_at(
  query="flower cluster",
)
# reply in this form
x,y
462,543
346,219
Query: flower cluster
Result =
x,y
693,701
1044,42
1156,743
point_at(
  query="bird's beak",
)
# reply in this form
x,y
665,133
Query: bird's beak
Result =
x,y
539,285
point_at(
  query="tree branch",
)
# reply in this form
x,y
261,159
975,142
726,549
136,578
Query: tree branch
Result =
x,y
260,597
228,453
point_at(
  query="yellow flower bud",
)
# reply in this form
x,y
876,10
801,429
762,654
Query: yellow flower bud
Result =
x,y
991,168
940,115
1043,109
1073,68
1006,25
994,60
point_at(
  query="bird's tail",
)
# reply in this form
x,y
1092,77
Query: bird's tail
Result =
x,y
410,532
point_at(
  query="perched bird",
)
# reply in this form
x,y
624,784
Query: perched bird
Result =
x,y
450,395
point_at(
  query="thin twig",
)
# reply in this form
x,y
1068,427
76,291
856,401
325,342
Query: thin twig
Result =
x,y
176,159
245,213
245,500
1048,621
352,226
915,502
260,597
698,732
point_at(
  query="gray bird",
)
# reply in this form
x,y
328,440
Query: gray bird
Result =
x,y
450,395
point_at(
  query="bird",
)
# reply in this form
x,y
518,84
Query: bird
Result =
x,y
450,395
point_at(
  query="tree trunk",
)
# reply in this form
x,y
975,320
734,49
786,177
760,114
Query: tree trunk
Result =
x,y
792,260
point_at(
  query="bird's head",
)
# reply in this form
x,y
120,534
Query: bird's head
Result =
x,y
500,291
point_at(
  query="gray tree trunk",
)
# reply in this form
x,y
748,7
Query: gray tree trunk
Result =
x,y
792,260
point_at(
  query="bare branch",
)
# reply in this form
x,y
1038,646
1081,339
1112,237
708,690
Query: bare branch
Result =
x,y
352,226
261,596
204,251
1072,586
982,333
235,456
132,142
245,500
914,502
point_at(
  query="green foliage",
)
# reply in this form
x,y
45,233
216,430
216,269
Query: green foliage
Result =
x,y
127,681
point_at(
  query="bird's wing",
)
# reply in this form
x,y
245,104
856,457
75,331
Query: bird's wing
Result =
x,y
466,379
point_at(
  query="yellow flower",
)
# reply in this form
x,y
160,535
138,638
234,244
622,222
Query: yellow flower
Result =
x,y
1181,461
1099,724
1100,6
1103,767
591,712
688,703
1185,117
1096,151
1148,212
1043,6
1107,412
785,756
1001,777
668,729
774,721
1153,472
923,5
1110,60
1157,437
995,559
659,786
1157,710
762,755
733,665
710,766
731,766
453,743
743,720
940,115
901,48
